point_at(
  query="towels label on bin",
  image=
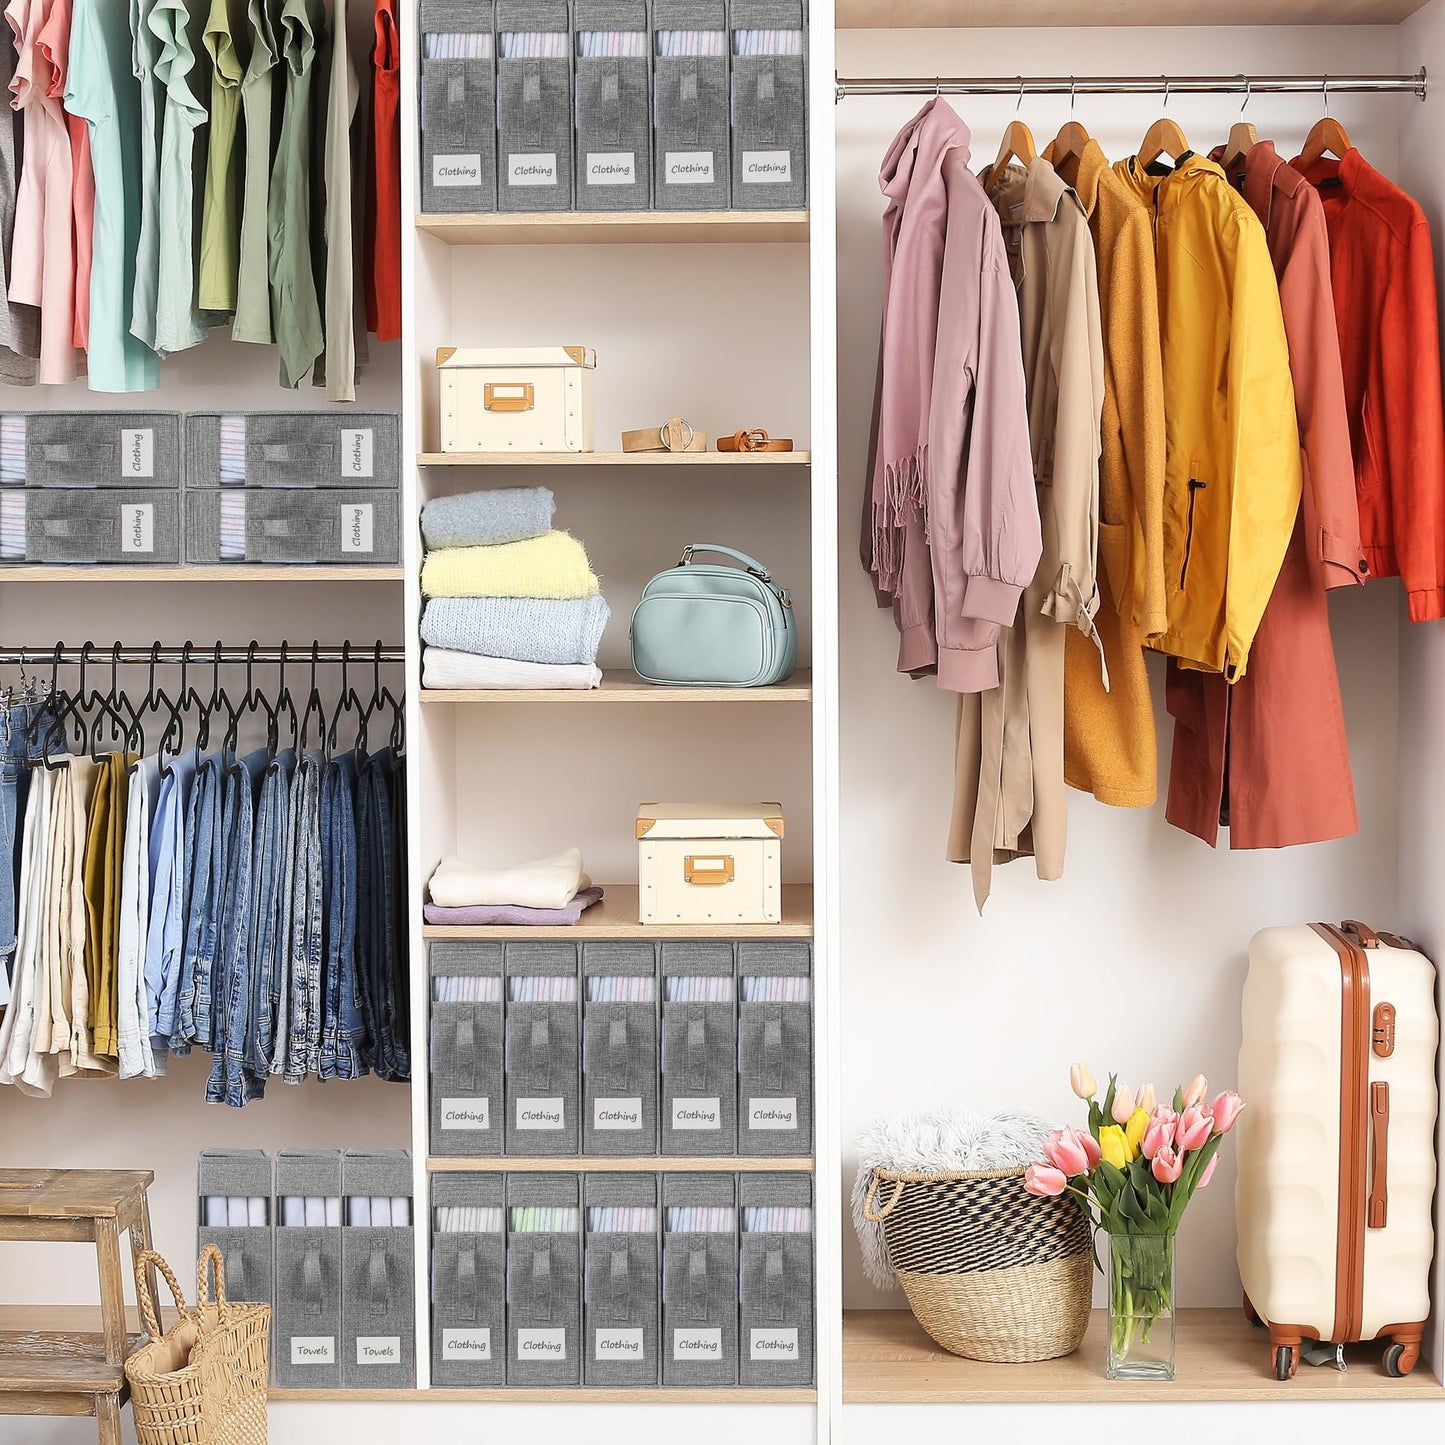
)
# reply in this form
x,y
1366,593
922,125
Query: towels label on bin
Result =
x,y
611,168
467,1344
767,168
356,527
697,1113
773,1345
456,170
356,452
541,1344
138,528
313,1349
618,1345
466,1113
773,1113
534,168
137,452
540,1114
697,1344
617,1113
378,1349
687,168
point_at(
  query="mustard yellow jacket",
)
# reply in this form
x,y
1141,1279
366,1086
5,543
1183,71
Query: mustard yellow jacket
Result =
x,y
1232,461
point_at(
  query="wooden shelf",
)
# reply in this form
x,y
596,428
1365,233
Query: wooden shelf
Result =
x,y
647,1164
675,460
621,228
949,14
579,1395
888,1360
616,917
65,572
623,685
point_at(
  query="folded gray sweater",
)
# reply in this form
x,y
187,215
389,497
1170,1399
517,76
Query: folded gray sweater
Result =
x,y
478,519
526,629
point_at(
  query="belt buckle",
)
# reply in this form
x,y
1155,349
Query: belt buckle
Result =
x,y
676,434
750,441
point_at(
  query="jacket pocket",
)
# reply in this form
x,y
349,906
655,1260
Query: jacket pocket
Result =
x,y
1373,473
1196,486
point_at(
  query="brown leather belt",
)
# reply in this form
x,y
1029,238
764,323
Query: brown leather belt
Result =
x,y
674,435
756,440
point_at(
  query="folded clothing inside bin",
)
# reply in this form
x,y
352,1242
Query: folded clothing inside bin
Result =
x,y
511,914
552,565
528,629
542,883
442,667
484,519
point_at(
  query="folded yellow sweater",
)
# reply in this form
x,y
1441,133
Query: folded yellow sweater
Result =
x,y
553,565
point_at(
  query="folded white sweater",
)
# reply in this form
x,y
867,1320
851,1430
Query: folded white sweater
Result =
x,y
543,883
444,667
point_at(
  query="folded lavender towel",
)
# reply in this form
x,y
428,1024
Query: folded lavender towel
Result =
x,y
480,519
510,914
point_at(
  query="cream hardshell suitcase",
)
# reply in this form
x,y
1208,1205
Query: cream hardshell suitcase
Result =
x,y
517,398
1337,1144
710,863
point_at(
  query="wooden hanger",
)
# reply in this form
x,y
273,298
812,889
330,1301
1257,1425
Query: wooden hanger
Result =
x,y
1163,138
1070,142
1327,138
1242,138
1017,144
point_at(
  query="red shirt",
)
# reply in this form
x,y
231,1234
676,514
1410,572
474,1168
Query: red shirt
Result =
x,y
1382,272
382,255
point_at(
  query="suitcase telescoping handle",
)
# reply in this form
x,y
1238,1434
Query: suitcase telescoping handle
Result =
x,y
1378,1209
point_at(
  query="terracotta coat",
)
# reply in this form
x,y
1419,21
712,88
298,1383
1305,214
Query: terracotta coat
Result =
x,y
1279,732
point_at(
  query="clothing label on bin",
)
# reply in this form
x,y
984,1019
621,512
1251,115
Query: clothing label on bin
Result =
x,y
697,1113
687,168
541,1344
540,1114
618,1345
773,1113
356,452
313,1349
697,1344
137,452
457,170
617,1113
466,1114
767,168
379,1349
137,527
611,168
356,527
773,1345
467,1344
535,168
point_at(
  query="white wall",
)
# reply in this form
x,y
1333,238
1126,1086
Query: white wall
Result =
x,y
1134,960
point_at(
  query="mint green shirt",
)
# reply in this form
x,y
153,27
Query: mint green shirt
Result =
x,y
253,278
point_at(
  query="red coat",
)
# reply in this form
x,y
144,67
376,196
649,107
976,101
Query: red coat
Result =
x,y
1279,732
1384,285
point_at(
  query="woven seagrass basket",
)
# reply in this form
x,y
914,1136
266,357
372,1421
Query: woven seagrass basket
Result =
x,y
990,1271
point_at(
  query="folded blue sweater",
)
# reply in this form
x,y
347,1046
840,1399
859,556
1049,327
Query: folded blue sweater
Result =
x,y
478,519
526,629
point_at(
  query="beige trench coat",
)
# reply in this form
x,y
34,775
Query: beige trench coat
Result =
x,y
1009,799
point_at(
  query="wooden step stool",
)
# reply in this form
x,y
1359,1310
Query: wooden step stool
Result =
x,y
58,1372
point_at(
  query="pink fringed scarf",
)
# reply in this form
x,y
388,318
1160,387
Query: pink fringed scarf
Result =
x,y
913,235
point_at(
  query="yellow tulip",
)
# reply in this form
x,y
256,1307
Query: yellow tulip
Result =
x,y
1114,1146
1134,1130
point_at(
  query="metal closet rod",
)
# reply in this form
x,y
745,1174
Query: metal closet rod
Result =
x,y
94,655
1165,85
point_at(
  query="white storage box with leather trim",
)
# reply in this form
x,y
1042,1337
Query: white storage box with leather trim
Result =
x,y
710,862
517,399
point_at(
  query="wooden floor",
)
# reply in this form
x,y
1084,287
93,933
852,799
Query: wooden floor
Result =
x,y
888,1360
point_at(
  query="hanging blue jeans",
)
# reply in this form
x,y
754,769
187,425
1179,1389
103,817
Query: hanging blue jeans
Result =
x,y
15,756
269,915
376,941
303,1052
343,1030
205,853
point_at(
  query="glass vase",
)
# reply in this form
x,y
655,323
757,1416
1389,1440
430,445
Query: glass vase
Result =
x,y
1141,1307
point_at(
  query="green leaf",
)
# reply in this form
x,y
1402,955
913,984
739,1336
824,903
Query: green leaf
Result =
x,y
1179,1099
1108,1109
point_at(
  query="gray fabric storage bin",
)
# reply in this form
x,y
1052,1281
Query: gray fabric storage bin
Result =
x,y
623,1283
248,1252
114,525
775,1055
336,527
769,112
699,1106
469,1285
534,112
378,1270
690,112
467,1108
103,449
776,1295
614,110
311,449
543,1055
544,1285
700,1285
458,113
619,1054
306,1321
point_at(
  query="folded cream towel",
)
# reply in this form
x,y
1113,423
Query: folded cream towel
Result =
x,y
544,883
442,667
552,565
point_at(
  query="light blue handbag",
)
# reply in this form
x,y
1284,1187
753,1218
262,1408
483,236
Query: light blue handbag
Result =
x,y
705,625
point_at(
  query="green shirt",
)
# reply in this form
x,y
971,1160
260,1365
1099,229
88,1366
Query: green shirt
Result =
x,y
227,41
253,284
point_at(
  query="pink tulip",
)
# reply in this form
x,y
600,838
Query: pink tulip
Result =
x,y
1195,1126
1081,1081
1044,1180
1090,1146
1148,1100
1064,1149
1208,1172
1124,1104
1226,1110
1167,1165
1195,1091
1159,1135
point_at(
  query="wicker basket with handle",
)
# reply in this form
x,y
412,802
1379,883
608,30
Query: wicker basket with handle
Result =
x,y
202,1382
990,1271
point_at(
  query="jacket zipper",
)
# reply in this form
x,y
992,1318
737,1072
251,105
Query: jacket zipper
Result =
x,y
1195,487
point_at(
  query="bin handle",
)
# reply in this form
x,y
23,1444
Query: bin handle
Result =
x,y
542,1281
467,1285
609,121
687,96
311,1281
774,1295
697,1284
542,1045
620,1296
767,98
378,1281
467,1049
236,1271
617,1038
532,103
773,1054
696,1053
877,1216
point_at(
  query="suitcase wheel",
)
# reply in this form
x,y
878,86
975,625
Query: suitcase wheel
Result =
x,y
1400,1359
1286,1361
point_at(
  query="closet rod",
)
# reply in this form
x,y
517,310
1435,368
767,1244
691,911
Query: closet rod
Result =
x,y
1166,85
299,655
